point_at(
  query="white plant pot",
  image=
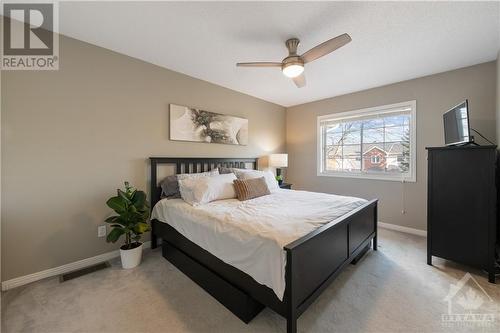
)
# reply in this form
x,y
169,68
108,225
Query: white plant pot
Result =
x,y
131,258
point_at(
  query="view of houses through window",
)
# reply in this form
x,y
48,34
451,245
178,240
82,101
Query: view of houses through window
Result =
x,y
375,143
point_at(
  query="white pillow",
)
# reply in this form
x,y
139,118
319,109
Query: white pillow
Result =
x,y
213,172
271,181
238,170
202,190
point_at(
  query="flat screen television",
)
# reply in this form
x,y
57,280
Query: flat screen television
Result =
x,y
456,125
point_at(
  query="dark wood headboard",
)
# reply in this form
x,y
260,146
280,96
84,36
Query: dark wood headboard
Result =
x,y
192,165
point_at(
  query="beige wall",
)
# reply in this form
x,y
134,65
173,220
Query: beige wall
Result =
x,y
434,95
71,137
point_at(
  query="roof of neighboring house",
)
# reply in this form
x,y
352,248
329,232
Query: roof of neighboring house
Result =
x,y
375,147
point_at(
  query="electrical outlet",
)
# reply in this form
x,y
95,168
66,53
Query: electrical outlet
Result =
x,y
101,231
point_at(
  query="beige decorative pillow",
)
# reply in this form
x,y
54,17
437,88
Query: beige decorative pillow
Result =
x,y
271,181
250,188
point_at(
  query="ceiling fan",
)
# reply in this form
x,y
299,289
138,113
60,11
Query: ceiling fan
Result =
x,y
293,65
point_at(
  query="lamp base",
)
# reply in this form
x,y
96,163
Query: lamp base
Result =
x,y
278,174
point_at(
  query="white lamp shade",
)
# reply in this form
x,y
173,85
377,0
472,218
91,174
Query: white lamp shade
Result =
x,y
278,160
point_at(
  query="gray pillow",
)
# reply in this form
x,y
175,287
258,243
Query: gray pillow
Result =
x,y
170,187
224,170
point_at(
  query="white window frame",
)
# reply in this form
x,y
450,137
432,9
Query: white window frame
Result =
x,y
378,110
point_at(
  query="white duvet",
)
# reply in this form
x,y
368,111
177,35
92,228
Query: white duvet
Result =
x,y
250,235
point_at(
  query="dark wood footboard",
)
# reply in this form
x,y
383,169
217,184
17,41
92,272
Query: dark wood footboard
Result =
x,y
314,260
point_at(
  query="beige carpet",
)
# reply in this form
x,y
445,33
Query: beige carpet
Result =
x,y
392,290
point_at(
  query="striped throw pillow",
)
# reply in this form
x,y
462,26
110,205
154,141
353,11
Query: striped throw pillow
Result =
x,y
250,188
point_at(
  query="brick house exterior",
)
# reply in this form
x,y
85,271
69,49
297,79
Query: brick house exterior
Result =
x,y
375,159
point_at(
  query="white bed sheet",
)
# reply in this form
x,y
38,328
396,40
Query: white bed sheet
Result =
x,y
250,235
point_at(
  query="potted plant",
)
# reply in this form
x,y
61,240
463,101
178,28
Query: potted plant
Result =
x,y
131,221
279,178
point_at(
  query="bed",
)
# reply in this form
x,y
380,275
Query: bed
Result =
x,y
301,263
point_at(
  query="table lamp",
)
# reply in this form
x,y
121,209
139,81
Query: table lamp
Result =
x,y
278,161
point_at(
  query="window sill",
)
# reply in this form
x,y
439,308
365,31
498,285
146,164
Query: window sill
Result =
x,y
411,179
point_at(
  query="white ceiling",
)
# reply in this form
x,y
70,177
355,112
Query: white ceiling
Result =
x,y
391,41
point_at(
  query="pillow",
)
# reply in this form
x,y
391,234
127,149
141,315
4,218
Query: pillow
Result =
x,y
202,190
250,188
271,181
170,185
213,172
224,170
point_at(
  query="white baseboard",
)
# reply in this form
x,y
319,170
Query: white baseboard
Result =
x,y
73,266
407,230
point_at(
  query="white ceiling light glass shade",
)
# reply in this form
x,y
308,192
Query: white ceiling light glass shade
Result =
x,y
293,69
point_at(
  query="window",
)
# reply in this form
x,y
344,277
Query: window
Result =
x,y
375,143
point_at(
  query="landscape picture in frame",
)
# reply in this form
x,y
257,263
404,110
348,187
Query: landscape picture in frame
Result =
x,y
190,124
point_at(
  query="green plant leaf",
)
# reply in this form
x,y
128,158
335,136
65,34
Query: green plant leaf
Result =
x,y
112,219
141,228
135,216
129,189
124,196
115,234
118,204
120,220
145,214
139,199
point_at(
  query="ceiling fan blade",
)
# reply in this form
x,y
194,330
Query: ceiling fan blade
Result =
x,y
300,81
259,64
326,47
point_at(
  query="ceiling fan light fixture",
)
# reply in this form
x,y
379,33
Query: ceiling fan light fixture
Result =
x,y
293,70
293,65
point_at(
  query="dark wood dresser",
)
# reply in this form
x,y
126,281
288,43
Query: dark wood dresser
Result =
x,y
462,222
